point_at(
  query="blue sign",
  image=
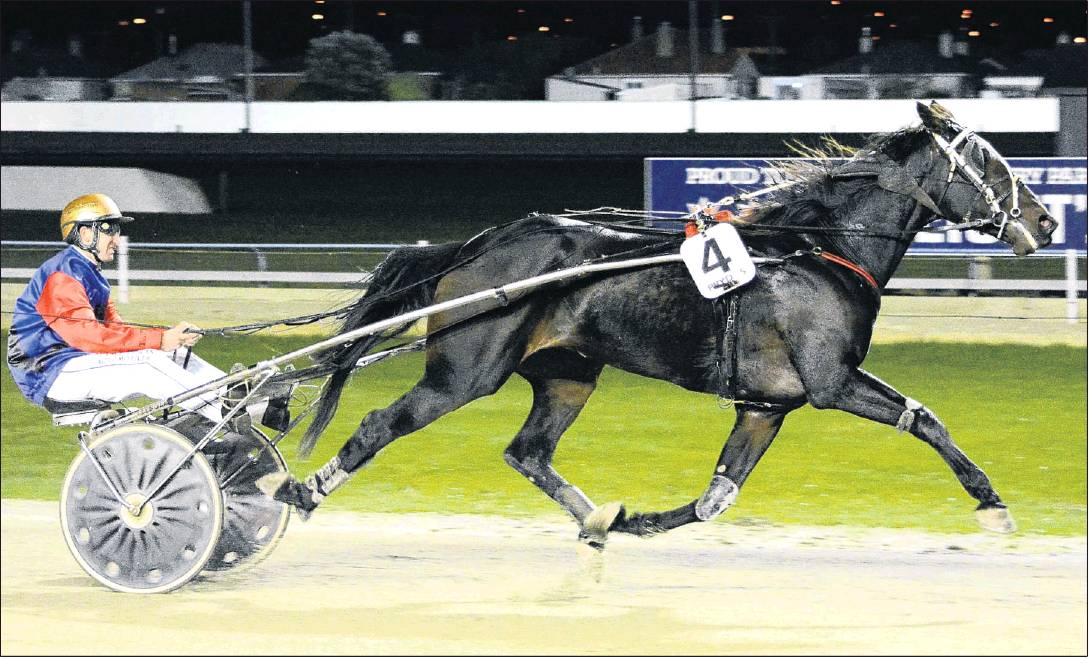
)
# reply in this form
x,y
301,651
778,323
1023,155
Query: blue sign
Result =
x,y
688,184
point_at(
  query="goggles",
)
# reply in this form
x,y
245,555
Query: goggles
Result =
x,y
108,227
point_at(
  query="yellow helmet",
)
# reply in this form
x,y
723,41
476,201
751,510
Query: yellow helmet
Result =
x,y
88,209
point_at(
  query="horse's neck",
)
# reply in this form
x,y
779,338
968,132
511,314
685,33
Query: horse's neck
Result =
x,y
886,213
890,213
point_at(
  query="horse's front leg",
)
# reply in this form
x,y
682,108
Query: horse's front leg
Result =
x,y
864,395
753,432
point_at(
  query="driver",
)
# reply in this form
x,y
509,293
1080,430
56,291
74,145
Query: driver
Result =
x,y
68,342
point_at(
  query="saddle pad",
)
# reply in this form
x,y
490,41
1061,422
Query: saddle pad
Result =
x,y
718,260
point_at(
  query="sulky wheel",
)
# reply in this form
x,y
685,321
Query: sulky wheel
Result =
x,y
175,532
253,523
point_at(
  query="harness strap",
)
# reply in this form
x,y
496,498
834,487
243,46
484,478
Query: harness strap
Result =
x,y
720,341
730,361
920,195
726,345
892,177
843,262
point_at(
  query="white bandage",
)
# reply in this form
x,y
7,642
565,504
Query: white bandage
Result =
x,y
720,494
907,419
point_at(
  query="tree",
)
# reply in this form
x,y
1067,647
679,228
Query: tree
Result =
x,y
346,66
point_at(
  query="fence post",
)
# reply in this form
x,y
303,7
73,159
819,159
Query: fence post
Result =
x,y
262,264
1071,286
979,268
123,270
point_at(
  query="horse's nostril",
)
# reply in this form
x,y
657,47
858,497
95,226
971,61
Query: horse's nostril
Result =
x,y
1047,225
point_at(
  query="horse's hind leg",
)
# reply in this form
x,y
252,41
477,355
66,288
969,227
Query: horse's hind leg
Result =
x,y
435,395
864,395
753,432
556,404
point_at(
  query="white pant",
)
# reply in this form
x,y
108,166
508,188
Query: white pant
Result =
x,y
151,373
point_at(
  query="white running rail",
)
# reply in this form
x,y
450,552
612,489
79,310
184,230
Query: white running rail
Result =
x,y
1071,284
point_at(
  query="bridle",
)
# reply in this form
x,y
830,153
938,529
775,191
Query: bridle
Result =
x,y
959,165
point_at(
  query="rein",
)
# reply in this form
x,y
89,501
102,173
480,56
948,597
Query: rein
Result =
x,y
843,262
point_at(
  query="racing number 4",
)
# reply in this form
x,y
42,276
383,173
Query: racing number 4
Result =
x,y
717,260
712,250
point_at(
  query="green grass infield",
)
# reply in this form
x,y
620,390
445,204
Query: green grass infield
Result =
x,y
1019,411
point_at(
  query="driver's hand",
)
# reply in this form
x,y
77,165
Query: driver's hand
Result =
x,y
178,336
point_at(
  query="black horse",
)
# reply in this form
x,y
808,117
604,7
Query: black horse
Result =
x,y
802,329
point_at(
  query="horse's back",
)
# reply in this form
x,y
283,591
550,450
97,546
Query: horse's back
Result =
x,y
649,321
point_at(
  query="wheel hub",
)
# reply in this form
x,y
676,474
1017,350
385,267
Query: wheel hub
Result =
x,y
146,515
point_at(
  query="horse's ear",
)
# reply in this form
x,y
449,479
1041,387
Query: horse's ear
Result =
x,y
937,118
931,120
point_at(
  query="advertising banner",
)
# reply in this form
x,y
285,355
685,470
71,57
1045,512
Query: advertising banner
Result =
x,y
687,184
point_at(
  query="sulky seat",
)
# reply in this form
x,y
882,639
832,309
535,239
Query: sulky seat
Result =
x,y
75,412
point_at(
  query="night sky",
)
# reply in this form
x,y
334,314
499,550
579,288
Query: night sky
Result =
x,y
282,29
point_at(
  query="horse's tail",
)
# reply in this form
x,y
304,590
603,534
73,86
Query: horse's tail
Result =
x,y
403,282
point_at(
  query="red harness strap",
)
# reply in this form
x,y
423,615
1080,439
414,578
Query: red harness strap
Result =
x,y
843,262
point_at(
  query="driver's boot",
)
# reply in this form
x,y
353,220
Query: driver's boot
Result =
x,y
276,414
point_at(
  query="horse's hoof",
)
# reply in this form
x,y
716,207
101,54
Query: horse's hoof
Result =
x,y
996,519
591,543
283,488
595,527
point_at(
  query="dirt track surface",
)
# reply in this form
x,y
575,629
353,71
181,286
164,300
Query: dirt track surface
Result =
x,y
446,584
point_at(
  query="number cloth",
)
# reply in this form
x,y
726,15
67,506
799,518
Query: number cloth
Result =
x,y
717,260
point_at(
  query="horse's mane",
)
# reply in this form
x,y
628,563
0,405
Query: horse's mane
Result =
x,y
814,200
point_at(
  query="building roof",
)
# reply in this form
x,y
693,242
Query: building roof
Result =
x,y
202,60
777,63
640,57
900,57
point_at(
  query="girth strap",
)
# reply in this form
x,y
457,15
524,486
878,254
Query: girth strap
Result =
x,y
726,345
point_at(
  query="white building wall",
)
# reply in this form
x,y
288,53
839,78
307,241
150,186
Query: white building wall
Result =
x,y
559,89
722,86
951,84
55,89
808,87
666,92
812,87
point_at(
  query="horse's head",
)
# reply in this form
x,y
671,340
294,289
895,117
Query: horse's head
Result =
x,y
979,184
